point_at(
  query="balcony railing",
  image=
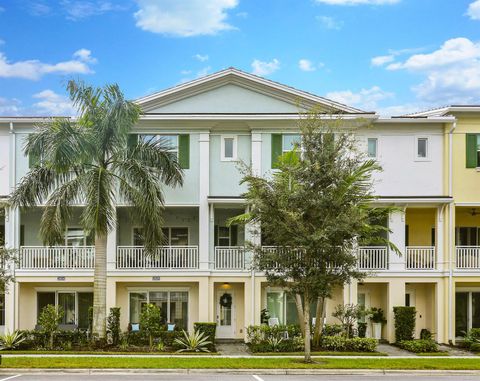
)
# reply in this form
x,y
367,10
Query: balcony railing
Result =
x,y
467,257
420,258
165,257
56,257
230,258
372,258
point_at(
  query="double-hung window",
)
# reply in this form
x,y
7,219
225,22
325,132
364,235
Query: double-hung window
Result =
x,y
372,148
290,142
77,237
177,144
169,141
228,148
421,148
174,236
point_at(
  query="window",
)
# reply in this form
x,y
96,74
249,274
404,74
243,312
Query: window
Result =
x,y
226,235
473,150
173,236
76,237
173,306
75,305
372,147
290,141
422,148
466,236
170,141
467,311
2,309
228,148
223,236
281,305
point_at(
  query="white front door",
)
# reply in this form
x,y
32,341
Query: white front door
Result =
x,y
225,301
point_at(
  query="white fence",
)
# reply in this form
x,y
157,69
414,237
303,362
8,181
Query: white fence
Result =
x,y
229,257
420,258
165,257
56,257
372,258
467,257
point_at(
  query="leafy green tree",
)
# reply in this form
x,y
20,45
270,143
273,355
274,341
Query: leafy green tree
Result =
x,y
49,319
95,158
150,322
315,209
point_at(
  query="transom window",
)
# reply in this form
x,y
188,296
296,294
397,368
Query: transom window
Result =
x,y
422,148
174,236
173,306
171,141
372,147
289,141
228,148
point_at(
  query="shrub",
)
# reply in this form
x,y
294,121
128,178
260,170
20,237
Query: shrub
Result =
x,y
342,344
376,315
281,338
194,342
49,320
362,329
425,334
150,322
11,340
475,347
113,325
348,314
332,330
209,329
472,338
419,346
334,343
404,323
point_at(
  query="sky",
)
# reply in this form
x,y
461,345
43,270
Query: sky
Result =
x,y
389,56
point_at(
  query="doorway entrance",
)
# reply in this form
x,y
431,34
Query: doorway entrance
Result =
x,y
225,300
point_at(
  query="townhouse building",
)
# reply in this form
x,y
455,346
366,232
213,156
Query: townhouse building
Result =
x,y
430,173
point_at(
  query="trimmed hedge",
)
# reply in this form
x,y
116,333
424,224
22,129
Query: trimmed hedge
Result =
x,y
209,330
404,323
342,344
63,340
419,346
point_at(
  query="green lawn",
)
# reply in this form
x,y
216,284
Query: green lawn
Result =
x,y
322,354
243,363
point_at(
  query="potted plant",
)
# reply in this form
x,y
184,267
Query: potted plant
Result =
x,y
377,317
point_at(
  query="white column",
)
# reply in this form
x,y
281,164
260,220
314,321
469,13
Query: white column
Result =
x,y
440,238
396,298
257,153
211,230
12,241
203,218
397,237
112,246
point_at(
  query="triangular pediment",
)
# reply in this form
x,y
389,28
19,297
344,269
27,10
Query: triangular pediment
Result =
x,y
235,92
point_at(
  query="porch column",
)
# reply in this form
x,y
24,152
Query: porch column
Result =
x,y
396,297
211,230
350,292
112,246
257,300
439,311
203,219
397,237
112,295
12,241
440,238
248,305
256,153
203,300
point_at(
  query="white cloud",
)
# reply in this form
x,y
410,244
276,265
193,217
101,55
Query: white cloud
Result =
x,y
382,60
402,109
306,65
474,10
35,69
2,9
263,68
76,10
39,8
366,99
200,57
357,2
51,103
184,18
198,74
10,107
330,22
452,73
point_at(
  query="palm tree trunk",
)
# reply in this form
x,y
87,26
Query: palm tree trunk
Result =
x,y
318,321
100,287
307,336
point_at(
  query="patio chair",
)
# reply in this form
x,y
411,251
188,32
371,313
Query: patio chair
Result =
x,y
171,327
135,327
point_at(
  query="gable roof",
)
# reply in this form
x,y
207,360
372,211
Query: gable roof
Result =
x,y
247,80
442,111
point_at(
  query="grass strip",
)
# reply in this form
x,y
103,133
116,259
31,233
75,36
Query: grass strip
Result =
x,y
241,363
322,354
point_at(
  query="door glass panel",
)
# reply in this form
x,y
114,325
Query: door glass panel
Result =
x,y
137,301
475,309
44,299
291,310
160,299
179,309
461,313
179,237
225,310
66,300
228,150
223,236
85,301
275,305
361,300
75,237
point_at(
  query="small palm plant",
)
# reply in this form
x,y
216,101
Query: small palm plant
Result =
x,y
194,342
11,340
274,343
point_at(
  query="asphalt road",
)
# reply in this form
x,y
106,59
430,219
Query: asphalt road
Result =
x,y
231,377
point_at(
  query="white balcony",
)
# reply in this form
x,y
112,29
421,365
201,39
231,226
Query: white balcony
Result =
x,y
56,257
165,257
467,257
230,258
420,258
372,258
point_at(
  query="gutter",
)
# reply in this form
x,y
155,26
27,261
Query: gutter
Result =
x,y
451,206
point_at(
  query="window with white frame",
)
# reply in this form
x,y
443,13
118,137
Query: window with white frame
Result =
x,y
422,148
290,141
372,147
174,236
281,305
228,148
173,306
77,237
170,141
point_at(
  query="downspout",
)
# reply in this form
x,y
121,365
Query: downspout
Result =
x,y
13,235
450,234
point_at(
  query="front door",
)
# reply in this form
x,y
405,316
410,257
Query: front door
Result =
x,y
225,314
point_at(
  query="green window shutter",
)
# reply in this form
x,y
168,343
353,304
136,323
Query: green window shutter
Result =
x,y
184,151
276,149
233,235
33,160
471,150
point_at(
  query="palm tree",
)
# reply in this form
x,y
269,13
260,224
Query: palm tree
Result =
x,y
95,158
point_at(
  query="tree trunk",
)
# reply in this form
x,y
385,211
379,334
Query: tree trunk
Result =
x,y
307,336
298,304
318,321
100,287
